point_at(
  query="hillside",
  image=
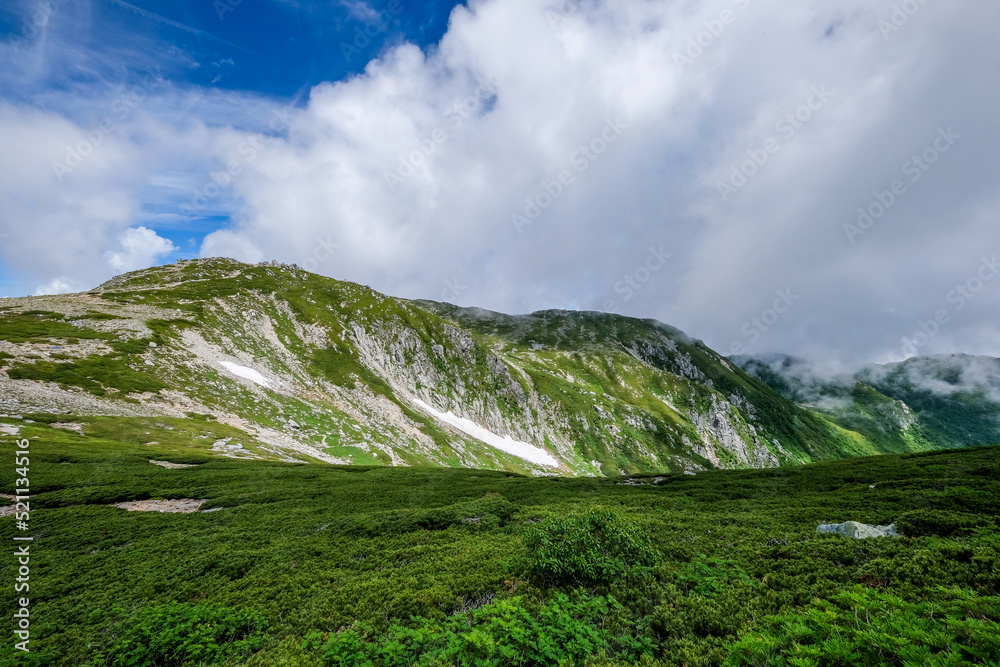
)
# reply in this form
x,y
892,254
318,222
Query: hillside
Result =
x,y
937,402
307,368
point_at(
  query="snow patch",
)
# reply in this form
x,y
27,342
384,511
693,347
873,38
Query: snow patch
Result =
x,y
244,372
507,444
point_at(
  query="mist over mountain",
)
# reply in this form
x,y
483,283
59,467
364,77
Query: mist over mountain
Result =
x,y
945,400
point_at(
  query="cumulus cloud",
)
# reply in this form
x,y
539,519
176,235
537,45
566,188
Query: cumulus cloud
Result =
x,y
56,227
416,176
746,135
140,247
59,286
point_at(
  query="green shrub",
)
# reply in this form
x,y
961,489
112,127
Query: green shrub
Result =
x,y
489,512
709,577
941,523
596,547
870,627
180,635
508,632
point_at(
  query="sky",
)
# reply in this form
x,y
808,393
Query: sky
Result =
x,y
816,179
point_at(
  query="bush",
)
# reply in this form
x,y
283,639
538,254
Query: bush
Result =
x,y
941,523
587,549
869,627
179,635
491,510
508,632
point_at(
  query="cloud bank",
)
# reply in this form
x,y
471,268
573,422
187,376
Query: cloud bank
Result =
x,y
816,180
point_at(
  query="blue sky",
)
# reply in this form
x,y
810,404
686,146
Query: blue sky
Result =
x,y
815,179
272,48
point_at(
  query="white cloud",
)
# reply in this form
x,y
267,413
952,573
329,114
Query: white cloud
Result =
x,y
140,247
225,243
360,10
58,286
54,226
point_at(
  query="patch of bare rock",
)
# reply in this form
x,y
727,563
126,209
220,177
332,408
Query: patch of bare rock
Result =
x,y
179,505
172,466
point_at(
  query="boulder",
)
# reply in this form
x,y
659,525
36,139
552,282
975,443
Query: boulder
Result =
x,y
859,530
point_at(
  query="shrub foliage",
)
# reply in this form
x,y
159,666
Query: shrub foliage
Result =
x,y
592,548
319,566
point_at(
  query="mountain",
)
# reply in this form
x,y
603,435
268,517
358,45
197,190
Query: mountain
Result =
x,y
295,366
937,402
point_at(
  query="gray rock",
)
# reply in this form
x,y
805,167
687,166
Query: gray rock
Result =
x,y
858,530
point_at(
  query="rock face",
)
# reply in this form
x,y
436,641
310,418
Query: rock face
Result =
x,y
858,530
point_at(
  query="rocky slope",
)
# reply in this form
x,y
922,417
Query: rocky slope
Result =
x,y
312,368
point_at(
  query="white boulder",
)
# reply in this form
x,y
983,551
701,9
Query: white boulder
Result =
x,y
858,530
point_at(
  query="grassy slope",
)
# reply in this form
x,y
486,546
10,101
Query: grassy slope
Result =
x,y
316,548
607,337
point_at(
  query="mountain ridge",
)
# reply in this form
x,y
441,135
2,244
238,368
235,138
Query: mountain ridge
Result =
x,y
317,369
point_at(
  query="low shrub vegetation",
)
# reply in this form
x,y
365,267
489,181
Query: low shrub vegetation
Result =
x,y
319,566
592,548
179,635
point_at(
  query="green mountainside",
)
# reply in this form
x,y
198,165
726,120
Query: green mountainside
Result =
x,y
311,368
934,402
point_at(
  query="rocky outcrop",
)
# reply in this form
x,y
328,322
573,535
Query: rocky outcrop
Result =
x,y
722,426
858,530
